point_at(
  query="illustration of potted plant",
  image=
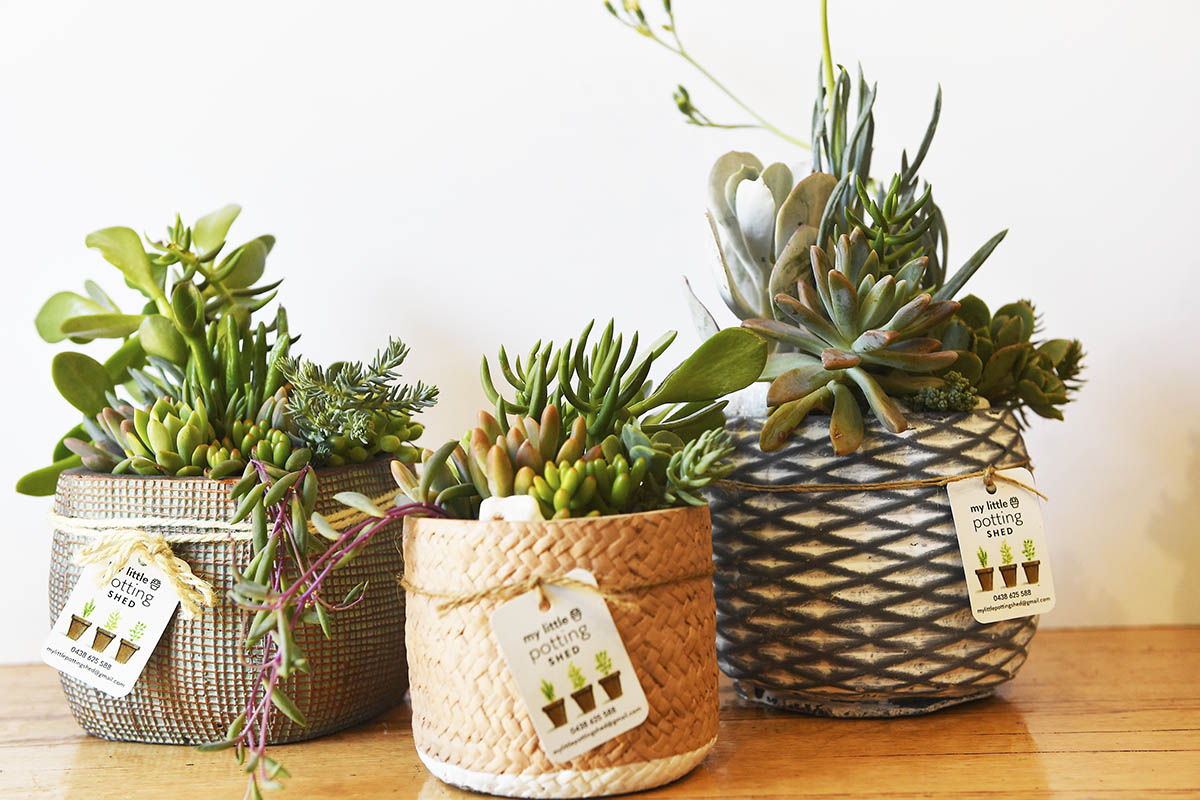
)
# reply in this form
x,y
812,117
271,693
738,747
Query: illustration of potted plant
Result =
x,y
610,681
555,709
1008,570
105,635
1030,565
985,573
127,647
79,623
582,695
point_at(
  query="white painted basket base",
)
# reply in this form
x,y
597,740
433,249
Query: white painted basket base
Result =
x,y
571,782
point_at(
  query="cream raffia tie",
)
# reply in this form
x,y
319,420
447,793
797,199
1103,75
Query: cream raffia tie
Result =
x,y
118,547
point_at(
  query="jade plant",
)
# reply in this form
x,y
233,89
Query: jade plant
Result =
x,y
586,433
881,350
200,387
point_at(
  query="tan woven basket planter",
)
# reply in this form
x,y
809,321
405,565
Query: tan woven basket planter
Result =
x,y
470,726
195,682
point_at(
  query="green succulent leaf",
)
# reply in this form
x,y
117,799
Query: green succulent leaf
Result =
x,y
82,380
60,308
728,361
209,231
102,326
42,482
159,337
122,248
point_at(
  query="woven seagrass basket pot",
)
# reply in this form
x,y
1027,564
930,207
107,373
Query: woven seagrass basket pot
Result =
x,y
196,681
853,603
470,725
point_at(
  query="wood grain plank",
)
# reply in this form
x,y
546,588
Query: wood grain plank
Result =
x,y
1106,713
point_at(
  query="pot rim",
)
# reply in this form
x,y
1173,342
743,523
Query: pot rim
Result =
x,y
577,522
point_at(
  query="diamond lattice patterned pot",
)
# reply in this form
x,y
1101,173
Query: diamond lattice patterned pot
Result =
x,y
854,603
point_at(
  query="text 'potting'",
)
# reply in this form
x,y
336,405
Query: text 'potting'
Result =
x,y
570,667
1000,529
105,633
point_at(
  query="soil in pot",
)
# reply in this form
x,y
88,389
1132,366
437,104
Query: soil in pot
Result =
x,y
585,699
1009,573
103,640
77,627
611,684
125,650
557,711
1031,570
986,577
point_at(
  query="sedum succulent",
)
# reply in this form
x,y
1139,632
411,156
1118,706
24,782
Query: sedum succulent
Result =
x,y
998,356
856,332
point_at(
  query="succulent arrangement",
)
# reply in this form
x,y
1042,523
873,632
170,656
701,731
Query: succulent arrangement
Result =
x,y
198,387
586,433
846,275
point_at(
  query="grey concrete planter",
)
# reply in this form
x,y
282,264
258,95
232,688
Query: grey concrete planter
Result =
x,y
853,604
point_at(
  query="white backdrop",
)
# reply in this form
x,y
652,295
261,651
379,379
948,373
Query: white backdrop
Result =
x,y
465,174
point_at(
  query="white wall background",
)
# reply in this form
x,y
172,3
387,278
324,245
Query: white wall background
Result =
x,y
465,174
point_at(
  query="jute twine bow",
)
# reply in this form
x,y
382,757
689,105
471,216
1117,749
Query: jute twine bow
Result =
x,y
121,547
990,475
618,596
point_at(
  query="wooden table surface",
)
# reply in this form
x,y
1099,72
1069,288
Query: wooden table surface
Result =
x,y
1095,713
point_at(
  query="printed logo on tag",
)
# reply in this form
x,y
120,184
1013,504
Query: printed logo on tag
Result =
x,y
1003,546
106,632
570,668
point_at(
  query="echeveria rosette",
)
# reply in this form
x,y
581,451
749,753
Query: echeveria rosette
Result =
x,y
856,333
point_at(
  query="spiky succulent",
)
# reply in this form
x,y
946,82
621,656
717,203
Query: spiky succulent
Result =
x,y
589,433
764,224
855,332
1003,362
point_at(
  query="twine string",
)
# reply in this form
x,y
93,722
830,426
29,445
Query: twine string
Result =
x,y
115,542
990,475
618,596
123,547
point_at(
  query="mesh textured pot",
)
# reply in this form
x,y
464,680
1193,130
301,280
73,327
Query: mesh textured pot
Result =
x,y
850,603
196,680
470,726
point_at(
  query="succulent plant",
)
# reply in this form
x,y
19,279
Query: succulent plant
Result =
x,y
856,331
982,556
998,356
589,433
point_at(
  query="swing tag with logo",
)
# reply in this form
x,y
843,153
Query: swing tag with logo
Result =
x,y
106,632
570,667
1003,546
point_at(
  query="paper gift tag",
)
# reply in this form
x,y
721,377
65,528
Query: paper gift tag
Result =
x,y
570,667
106,631
1003,546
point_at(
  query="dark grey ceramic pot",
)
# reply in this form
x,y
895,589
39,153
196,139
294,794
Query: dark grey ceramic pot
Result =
x,y
854,604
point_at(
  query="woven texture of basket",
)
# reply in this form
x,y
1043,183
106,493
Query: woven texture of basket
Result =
x,y
196,680
849,603
471,727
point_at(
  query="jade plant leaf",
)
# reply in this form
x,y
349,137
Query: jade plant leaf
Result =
x,y
726,362
60,308
209,231
82,380
122,248
245,265
160,338
102,326
42,482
